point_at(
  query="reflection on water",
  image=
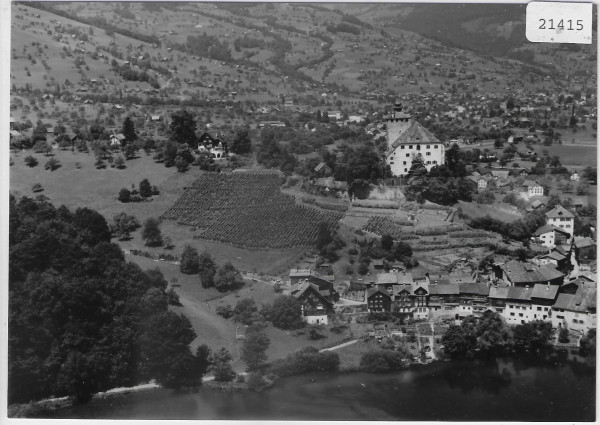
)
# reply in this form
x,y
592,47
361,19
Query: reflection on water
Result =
x,y
499,390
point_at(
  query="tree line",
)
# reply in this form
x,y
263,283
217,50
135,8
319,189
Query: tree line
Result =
x,y
81,318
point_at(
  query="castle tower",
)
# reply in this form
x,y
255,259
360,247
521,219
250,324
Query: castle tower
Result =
x,y
397,123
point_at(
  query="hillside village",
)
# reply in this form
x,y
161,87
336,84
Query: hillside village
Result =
x,y
384,185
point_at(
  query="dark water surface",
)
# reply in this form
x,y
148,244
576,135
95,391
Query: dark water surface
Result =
x,y
504,390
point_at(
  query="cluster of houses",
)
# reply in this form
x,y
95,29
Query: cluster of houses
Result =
x,y
519,292
556,286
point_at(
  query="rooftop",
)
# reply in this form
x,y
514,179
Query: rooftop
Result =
x,y
559,212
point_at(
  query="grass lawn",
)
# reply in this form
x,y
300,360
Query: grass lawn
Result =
x,y
89,187
572,156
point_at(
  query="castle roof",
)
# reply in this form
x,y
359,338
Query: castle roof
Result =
x,y
415,134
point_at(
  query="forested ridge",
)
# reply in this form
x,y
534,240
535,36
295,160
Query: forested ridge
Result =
x,y
81,318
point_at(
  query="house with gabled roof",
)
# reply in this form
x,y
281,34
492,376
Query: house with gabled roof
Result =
x,y
585,249
562,219
576,311
322,170
378,300
550,236
316,304
532,188
516,273
519,305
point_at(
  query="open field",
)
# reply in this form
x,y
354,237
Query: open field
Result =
x,y
89,187
572,156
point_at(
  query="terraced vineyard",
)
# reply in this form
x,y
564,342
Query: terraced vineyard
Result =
x,y
247,210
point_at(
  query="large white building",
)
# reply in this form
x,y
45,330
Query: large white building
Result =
x,y
407,140
562,219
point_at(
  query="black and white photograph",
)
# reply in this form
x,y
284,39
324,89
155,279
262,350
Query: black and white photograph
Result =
x,y
287,211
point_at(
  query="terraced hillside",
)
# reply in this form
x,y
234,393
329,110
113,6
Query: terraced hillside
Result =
x,y
248,210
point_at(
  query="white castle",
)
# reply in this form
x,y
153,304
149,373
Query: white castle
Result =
x,y
407,140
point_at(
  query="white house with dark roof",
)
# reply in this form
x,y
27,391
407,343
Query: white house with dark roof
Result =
x,y
561,218
550,236
407,140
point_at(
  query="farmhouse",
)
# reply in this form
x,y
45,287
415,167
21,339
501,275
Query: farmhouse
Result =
x,y
407,140
315,303
324,283
378,300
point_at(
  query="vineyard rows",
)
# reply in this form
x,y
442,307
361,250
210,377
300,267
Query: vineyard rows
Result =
x,y
248,210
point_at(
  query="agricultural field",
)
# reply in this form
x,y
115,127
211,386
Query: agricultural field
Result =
x,y
247,209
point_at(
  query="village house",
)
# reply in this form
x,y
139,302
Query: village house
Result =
x,y
324,283
585,249
561,218
117,139
532,188
519,305
575,307
550,236
575,176
378,300
316,304
213,145
322,170
407,140
516,273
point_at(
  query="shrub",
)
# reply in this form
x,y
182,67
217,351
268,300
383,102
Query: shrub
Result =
x,y
563,336
256,381
52,164
382,361
145,189
307,359
31,161
124,195
190,260
225,311
286,313
37,187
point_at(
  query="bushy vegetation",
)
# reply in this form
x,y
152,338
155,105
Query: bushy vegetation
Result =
x,y
491,336
305,360
383,361
77,309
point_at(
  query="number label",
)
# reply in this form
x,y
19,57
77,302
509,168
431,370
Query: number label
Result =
x,y
554,22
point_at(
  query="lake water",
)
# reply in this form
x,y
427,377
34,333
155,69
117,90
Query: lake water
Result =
x,y
503,390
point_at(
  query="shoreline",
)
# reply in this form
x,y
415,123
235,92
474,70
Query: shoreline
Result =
x,y
31,409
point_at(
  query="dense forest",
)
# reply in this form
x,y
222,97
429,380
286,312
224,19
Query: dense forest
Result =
x,y
81,318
